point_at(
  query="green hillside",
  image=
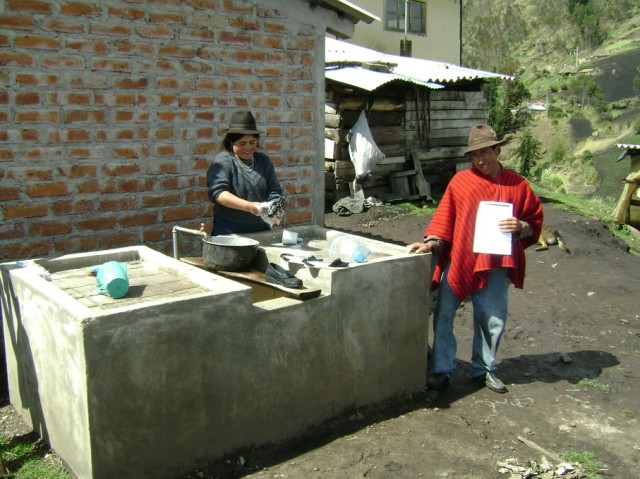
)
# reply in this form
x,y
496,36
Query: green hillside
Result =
x,y
580,60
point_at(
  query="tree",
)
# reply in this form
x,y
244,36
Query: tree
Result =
x,y
529,152
505,101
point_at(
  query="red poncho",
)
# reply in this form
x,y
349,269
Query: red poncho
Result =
x,y
454,222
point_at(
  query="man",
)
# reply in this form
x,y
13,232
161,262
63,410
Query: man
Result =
x,y
460,272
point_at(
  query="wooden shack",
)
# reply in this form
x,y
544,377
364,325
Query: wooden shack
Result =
x,y
420,121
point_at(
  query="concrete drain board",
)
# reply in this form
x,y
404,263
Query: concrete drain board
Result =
x,y
147,283
187,368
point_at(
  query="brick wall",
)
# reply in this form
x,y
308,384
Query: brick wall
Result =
x,y
111,112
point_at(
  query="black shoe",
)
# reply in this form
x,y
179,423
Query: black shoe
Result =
x,y
438,381
492,382
277,275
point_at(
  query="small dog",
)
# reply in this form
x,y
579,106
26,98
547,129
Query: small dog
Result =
x,y
551,236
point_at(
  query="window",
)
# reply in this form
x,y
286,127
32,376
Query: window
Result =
x,y
394,16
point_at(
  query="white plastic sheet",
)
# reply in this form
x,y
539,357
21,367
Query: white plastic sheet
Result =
x,y
363,151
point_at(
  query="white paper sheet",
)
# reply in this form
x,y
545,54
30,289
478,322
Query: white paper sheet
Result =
x,y
488,238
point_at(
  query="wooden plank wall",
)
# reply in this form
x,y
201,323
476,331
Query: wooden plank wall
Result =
x,y
404,120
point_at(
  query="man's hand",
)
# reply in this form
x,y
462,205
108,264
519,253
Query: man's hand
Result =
x,y
510,225
422,247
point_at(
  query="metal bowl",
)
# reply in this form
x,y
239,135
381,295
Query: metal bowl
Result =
x,y
229,252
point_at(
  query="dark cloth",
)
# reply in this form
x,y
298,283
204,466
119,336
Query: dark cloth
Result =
x,y
260,184
454,222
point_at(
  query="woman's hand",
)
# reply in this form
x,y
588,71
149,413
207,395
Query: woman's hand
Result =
x,y
421,247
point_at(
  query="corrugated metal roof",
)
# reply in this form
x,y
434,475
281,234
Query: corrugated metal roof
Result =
x,y
369,79
343,55
627,146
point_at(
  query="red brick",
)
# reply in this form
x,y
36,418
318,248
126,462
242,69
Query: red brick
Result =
x,y
88,187
179,214
176,51
162,200
138,49
196,34
71,62
138,220
72,207
131,83
234,6
6,155
172,183
30,249
116,204
134,185
27,98
176,115
125,99
16,22
48,189
121,169
110,64
249,56
37,41
33,6
63,25
155,31
8,193
242,23
154,235
111,30
37,117
166,17
49,228
99,46
234,37
80,170
97,223
117,240
11,230
72,245
203,4
29,135
126,13
197,197
79,9
268,41
13,58
42,174
298,217
165,150
30,210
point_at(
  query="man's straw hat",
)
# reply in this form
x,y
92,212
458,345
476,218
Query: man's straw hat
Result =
x,y
482,136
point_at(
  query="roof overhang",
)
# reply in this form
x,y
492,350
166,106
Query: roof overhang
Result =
x,y
629,149
348,10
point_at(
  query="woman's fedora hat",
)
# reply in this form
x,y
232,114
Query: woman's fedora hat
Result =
x,y
243,122
482,136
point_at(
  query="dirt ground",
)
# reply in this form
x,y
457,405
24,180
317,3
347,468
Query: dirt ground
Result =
x,y
570,357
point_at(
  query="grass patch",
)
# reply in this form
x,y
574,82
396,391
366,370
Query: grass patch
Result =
x,y
593,384
25,459
586,461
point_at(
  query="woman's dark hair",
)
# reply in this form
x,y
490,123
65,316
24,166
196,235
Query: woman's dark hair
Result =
x,y
231,138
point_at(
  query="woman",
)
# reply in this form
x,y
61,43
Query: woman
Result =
x,y
242,182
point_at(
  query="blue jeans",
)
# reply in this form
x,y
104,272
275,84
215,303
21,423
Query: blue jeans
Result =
x,y
490,305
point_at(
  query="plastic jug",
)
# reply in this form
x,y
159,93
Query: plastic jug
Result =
x,y
347,249
112,279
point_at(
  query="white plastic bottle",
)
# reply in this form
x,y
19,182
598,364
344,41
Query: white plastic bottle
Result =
x,y
348,249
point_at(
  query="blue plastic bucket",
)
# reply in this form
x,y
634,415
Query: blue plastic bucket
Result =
x,y
112,279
